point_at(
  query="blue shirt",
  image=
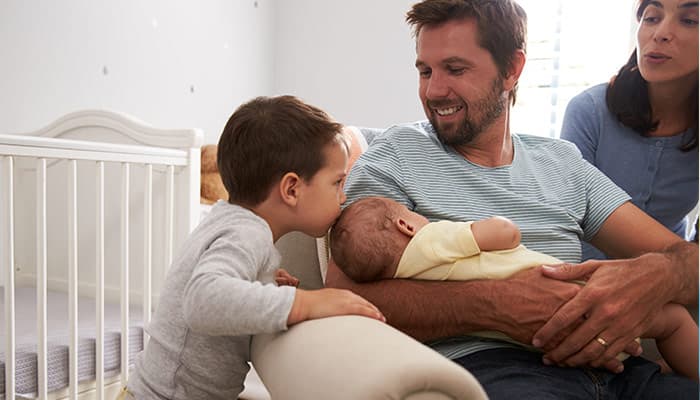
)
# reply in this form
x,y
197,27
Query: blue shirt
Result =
x,y
661,179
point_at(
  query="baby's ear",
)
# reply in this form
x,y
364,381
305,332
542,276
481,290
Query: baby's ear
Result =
x,y
405,227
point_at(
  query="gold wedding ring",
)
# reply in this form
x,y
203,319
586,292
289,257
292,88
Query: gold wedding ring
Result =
x,y
601,341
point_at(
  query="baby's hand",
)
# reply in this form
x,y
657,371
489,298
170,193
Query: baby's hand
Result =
x,y
284,278
312,304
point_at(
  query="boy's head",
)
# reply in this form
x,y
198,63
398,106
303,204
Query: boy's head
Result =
x,y
267,137
285,145
370,236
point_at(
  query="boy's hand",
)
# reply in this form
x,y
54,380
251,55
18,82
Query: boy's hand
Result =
x,y
284,278
313,304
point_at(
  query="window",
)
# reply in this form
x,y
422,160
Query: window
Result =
x,y
572,45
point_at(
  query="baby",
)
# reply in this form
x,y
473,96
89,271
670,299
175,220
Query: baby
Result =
x,y
378,238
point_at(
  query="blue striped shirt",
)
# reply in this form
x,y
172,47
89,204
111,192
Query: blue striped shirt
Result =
x,y
554,195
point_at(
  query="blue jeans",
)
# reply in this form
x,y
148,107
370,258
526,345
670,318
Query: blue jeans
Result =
x,y
519,374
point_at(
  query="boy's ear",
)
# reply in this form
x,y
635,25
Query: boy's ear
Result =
x,y
289,187
405,227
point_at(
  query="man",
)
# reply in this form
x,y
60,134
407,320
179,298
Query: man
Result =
x,y
464,164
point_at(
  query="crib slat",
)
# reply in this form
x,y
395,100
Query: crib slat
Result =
x,y
100,280
125,275
73,278
41,279
7,257
169,215
148,249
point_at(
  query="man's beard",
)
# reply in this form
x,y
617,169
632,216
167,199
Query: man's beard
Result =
x,y
483,113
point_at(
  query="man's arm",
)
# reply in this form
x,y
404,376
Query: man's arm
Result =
x,y
430,310
622,296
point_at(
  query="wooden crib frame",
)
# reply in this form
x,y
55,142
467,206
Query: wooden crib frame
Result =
x,y
57,186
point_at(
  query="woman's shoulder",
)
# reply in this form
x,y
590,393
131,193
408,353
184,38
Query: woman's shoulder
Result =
x,y
593,96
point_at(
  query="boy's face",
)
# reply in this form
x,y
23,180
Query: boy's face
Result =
x,y
319,205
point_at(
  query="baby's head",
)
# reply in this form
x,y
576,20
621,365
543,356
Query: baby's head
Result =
x,y
370,236
284,147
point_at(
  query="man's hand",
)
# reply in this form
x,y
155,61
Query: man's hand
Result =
x,y
618,303
531,301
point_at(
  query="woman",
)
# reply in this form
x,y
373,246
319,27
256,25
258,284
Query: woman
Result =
x,y
641,129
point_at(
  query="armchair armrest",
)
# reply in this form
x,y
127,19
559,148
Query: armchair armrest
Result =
x,y
351,357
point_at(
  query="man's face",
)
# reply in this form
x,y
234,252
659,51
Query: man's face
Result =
x,y
460,86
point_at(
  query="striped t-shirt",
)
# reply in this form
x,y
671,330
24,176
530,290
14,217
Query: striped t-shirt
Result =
x,y
554,195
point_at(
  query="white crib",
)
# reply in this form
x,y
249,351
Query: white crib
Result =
x,y
92,209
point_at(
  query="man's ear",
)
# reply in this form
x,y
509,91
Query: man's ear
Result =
x,y
405,227
290,188
515,69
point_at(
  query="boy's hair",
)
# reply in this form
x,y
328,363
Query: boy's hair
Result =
x,y
502,25
268,137
627,97
363,241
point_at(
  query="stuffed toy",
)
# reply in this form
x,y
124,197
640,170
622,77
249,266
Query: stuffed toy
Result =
x,y
212,187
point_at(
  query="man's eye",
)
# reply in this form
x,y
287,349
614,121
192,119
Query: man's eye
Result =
x,y
424,74
455,71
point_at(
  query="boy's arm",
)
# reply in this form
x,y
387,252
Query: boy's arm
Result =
x,y
324,303
313,304
495,233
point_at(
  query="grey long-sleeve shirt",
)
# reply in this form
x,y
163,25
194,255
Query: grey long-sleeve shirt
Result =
x,y
217,294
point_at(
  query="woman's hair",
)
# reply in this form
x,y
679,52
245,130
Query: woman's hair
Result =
x,y
502,25
627,98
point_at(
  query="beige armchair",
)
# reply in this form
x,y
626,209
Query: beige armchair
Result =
x,y
348,357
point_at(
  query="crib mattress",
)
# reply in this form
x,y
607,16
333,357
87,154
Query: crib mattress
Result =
x,y
58,337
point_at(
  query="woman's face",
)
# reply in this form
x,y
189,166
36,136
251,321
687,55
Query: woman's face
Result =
x,y
667,41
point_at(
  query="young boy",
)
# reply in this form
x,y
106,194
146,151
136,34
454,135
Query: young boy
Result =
x,y
283,164
378,238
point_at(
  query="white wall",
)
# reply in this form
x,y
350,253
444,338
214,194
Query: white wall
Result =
x,y
171,63
354,59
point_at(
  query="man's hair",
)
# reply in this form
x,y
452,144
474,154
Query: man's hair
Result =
x,y
502,25
268,137
363,241
627,97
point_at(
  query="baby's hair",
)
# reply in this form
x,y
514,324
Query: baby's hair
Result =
x,y
268,137
362,242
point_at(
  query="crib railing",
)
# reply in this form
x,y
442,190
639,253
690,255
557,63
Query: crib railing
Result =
x,y
49,151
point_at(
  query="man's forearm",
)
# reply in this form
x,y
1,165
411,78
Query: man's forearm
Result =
x,y
684,260
426,310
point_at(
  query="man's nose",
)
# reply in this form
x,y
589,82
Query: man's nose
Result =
x,y
436,87
343,197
